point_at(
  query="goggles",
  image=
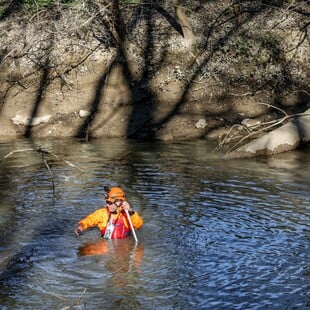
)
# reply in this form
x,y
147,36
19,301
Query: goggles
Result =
x,y
112,201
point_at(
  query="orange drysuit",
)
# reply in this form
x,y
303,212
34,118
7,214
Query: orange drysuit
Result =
x,y
101,217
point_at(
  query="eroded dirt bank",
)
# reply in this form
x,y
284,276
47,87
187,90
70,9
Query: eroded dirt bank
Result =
x,y
73,77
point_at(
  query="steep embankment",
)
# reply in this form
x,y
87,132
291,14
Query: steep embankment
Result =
x,y
129,72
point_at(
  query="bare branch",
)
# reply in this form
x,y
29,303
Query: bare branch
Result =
x,y
14,152
42,151
274,107
254,133
51,174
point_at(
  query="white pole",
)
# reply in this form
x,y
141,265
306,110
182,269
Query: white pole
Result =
x,y
131,226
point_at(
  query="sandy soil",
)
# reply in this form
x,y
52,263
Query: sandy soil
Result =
x,y
90,108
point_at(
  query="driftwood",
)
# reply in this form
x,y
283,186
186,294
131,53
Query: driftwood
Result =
x,y
234,135
44,153
284,138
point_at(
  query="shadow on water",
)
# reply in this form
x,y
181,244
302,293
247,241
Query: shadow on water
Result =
x,y
18,268
39,232
22,235
220,234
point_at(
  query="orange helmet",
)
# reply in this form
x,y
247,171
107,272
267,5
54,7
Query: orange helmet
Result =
x,y
115,193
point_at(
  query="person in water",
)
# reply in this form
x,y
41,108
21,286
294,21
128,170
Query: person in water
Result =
x,y
112,220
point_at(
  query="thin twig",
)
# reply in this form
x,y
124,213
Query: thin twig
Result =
x,y
245,94
226,137
274,107
51,174
78,301
302,90
67,162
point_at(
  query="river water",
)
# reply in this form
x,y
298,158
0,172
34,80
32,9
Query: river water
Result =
x,y
217,234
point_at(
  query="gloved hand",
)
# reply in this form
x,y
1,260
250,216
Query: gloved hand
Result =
x,y
78,230
126,206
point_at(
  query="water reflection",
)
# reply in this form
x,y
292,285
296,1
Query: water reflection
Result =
x,y
217,234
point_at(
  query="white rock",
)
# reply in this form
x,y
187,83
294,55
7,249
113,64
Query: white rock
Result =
x,y
40,120
83,113
202,123
20,119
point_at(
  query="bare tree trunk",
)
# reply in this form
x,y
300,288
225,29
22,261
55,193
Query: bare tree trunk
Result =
x,y
188,35
118,23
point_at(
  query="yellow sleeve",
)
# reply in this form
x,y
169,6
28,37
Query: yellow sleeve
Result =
x,y
98,218
136,220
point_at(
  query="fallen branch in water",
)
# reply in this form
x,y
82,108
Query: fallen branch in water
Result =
x,y
77,302
67,162
13,152
43,152
255,130
50,171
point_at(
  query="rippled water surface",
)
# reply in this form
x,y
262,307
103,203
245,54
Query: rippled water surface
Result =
x,y
217,234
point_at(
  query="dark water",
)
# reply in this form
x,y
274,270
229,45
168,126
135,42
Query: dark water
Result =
x,y
217,234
